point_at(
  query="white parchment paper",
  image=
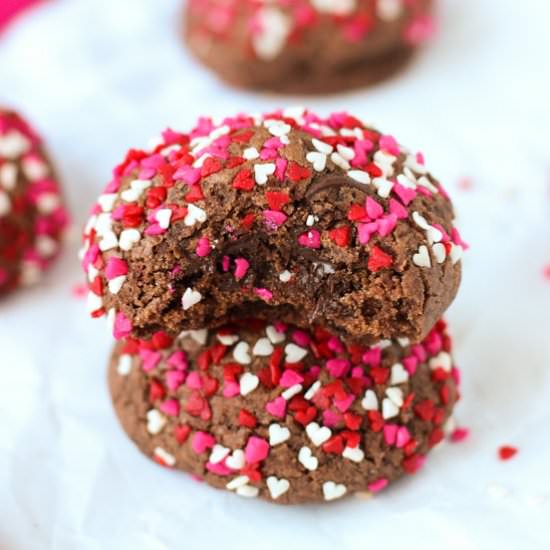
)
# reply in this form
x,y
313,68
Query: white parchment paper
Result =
x,y
99,76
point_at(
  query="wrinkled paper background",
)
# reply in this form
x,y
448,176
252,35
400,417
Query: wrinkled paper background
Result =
x,y
99,76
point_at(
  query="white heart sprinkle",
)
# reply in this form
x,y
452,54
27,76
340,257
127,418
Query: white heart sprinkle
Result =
x,y
165,456
340,161
318,434
163,217
13,145
247,491
294,353
107,202
434,235
389,10
346,152
312,390
370,401
383,187
194,215
278,434
124,365
307,460
279,129
5,203
274,335
94,302
8,176
263,171
131,195
251,153
439,252
398,374
425,182
263,348
190,298
322,147
389,409
235,483
421,221
116,284
200,336
333,491
236,460
285,276
442,361
359,176
395,395
277,487
227,339
406,182
422,257
108,242
248,382
355,454
291,392
241,353
319,160
456,253
310,220
155,421
128,238
219,452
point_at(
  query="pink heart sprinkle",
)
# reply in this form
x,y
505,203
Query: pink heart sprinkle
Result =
x,y
123,326
202,441
377,486
231,389
410,363
175,379
264,293
241,267
406,195
338,367
372,357
331,418
390,433
398,210
219,469
170,407
290,378
194,381
344,404
277,407
373,208
150,359
178,360
301,338
203,247
256,450
403,437
311,239
116,267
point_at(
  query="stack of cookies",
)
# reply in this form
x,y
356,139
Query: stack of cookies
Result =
x,y
276,285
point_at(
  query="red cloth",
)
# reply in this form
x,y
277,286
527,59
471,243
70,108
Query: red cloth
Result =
x,y
10,8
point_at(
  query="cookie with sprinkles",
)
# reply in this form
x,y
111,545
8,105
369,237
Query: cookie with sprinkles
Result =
x,y
286,215
284,414
32,214
306,46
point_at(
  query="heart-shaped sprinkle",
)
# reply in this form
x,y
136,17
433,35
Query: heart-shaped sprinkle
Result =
x,y
421,221
124,365
456,253
292,391
318,434
251,153
355,454
434,235
241,353
389,409
128,238
190,298
312,390
440,253
227,339
370,401
248,382
277,487
219,452
294,353
263,348
422,257
307,460
395,395
442,361
155,422
333,491
235,483
116,284
263,171
340,161
275,337
164,457
359,176
398,374
194,215
163,217
248,491
278,434
236,460
319,160
322,147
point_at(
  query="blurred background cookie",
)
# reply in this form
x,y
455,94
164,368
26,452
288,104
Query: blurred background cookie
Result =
x,y
306,46
32,215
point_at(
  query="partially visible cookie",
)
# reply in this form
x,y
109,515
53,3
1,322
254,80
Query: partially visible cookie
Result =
x,y
287,215
284,414
306,46
32,215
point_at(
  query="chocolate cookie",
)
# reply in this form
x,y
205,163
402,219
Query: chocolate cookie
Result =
x,y
306,46
284,414
32,215
287,215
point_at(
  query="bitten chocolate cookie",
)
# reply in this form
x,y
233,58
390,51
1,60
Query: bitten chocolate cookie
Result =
x,y
284,414
32,215
306,46
288,215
